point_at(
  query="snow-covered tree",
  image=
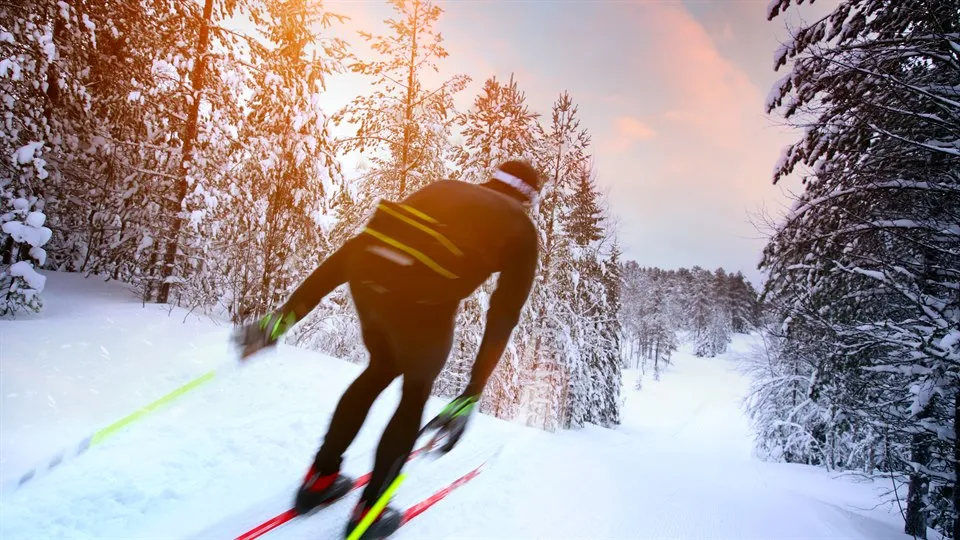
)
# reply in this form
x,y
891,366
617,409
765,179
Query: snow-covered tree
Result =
x,y
660,305
741,302
554,353
112,210
563,366
611,332
866,260
499,127
713,315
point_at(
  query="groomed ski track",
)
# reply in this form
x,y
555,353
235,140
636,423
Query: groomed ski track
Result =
x,y
679,467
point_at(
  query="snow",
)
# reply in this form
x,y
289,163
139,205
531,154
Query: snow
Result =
x,y
213,462
950,340
25,153
780,55
39,254
35,219
775,91
35,236
145,243
89,23
25,270
877,275
327,222
20,204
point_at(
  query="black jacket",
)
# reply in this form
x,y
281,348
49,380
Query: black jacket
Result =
x,y
491,226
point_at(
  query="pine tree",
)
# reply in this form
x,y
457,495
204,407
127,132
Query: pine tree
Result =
x,y
174,105
191,127
581,225
112,210
702,304
611,336
742,303
658,305
405,125
595,375
583,222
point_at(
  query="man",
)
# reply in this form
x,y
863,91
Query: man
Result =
x,y
408,271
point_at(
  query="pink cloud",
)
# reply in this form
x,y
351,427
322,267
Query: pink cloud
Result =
x,y
709,164
710,94
629,130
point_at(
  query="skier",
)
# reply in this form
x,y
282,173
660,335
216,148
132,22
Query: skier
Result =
x,y
408,271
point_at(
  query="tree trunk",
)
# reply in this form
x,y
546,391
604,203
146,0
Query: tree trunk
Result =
x,y
916,518
956,463
190,135
8,251
408,109
833,448
150,278
916,515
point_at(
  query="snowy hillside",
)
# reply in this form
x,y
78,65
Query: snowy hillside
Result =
x,y
680,466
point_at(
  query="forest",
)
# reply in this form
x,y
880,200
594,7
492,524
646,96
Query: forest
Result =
x,y
163,145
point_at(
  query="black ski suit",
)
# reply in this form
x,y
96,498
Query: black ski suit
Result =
x,y
408,337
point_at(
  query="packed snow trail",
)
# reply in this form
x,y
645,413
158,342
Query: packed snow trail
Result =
x,y
679,467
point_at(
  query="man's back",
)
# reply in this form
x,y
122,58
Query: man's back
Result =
x,y
483,222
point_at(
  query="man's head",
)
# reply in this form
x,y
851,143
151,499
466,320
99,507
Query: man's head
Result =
x,y
521,178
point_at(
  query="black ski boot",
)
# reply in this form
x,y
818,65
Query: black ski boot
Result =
x,y
386,523
320,489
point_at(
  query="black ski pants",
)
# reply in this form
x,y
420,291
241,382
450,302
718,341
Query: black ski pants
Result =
x,y
403,338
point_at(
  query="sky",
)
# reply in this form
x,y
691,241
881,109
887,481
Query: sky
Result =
x,y
672,93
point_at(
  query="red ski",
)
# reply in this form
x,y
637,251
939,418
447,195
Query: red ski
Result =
x,y
289,515
408,514
423,505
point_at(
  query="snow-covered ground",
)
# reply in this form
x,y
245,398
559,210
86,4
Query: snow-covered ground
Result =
x,y
680,466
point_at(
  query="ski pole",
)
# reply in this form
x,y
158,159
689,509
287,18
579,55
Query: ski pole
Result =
x,y
376,508
96,438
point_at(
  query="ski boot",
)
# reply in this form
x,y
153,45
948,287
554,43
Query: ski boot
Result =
x,y
386,523
320,489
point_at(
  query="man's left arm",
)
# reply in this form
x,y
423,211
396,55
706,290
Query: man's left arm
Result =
x,y
506,304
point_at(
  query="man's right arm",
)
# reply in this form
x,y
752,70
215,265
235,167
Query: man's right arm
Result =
x,y
506,304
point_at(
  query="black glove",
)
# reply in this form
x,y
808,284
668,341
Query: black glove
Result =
x,y
264,333
452,421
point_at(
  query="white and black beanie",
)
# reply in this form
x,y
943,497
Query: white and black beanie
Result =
x,y
521,177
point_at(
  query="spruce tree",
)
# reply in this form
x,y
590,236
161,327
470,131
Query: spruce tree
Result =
x,y
862,270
